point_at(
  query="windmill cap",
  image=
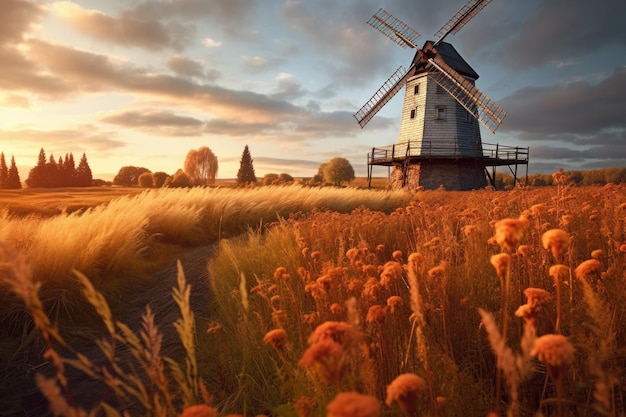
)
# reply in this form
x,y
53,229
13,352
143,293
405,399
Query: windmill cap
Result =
x,y
452,58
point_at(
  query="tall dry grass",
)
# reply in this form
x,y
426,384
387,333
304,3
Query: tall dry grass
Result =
x,y
122,239
481,303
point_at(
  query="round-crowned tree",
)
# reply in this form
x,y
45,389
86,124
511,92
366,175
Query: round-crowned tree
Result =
x,y
337,171
129,176
201,166
146,180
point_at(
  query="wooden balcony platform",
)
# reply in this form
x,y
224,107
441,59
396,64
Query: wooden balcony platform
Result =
x,y
483,154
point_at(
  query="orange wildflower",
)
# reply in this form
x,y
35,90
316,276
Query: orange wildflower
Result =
x,y
501,262
587,268
276,338
391,271
394,302
555,240
376,313
337,309
555,351
353,404
537,297
201,410
509,232
406,390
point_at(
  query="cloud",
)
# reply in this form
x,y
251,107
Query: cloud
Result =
x,y
577,108
355,51
81,71
19,73
157,122
210,43
14,100
288,88
128,29
17,18
559,30
185,66
220,11
254,61
239,128
280,165
83,137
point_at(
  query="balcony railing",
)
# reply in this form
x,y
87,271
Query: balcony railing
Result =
x,y
430,149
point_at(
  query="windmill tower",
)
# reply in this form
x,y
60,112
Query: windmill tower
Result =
x,y
439,140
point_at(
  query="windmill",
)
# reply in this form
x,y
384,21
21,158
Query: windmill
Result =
x,y
439,140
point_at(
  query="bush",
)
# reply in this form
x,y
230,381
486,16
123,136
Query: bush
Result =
x,y
146,180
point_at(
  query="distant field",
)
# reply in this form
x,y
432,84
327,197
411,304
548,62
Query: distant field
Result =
x,y
52,201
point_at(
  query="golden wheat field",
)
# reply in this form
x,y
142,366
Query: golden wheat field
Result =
x,y
319,301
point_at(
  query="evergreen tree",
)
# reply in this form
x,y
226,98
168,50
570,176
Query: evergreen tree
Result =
x,y
37,175
84,178
246,174
69,171
13,178
52,177
4,171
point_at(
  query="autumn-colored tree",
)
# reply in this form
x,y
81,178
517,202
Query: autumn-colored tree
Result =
x,y
201,166
180,179
246,174
338,171
128,176
146,180
159,178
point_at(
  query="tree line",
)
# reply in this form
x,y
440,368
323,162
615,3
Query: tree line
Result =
x,y
201,166
575,177
52,173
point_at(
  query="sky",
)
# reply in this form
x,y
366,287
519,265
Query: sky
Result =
x,y
143,82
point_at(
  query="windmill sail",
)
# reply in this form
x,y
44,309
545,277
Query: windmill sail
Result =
x,y
470,97
459,20
382,96
394,28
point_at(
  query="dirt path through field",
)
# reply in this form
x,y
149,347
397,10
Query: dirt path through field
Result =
x,y
158,295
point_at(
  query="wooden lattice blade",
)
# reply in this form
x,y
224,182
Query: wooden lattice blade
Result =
x,y
470,97
459,20
382,96
394,28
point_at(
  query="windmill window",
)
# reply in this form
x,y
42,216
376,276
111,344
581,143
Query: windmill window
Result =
x,y
441,113
413,114
416,89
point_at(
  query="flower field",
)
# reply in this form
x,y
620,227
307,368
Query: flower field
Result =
x,y
356,304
